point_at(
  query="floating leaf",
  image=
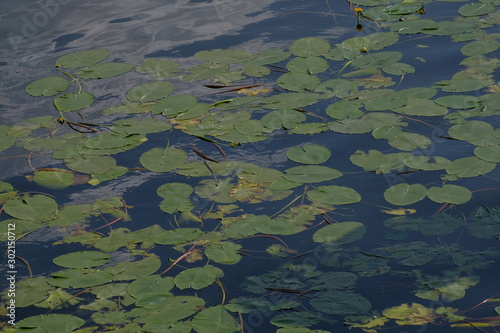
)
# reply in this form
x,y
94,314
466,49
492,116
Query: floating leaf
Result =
x,y
340,233
267,56
472,130
50,323
461,82
92,164
150,91
104,70
378,162
287,119
334,195
469,167
311,174
295,319
459,101
294,81
421,107
163,160
79,278
224,253
82,259
452,194
56,179
480,46
133,270
82,58
309,46
223,56
174,105
150,286
158,68
310,65
309,154
73,101
215,319
405,194
32,208
177,236
405,314
198,278
47,86
409,141
476,9
341,303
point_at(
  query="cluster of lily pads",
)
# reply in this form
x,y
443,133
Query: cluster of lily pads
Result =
x,y
318,88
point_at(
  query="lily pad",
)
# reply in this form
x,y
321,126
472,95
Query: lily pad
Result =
x,y
104,70
150,91
453,194
50,323
311,174
47,86
341,303
174,105
470,167
334,195
177,236
309,154
73,101
158,68
82,259
82,58
198,278
54,179
163,160
215,319
405,194
224,253
32,208
340,233
309,46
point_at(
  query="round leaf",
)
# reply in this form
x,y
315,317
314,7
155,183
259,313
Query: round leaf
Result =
x,y
198,278
163,160
452,194
73,101
50,323
334,195
31,208
82,58
104,70
476,9
405,194
309,154
172,106
177,236
47,86
309,46
311,174
54,179
215,320
341,303
224,253
470,167
150,91
83,259
340,233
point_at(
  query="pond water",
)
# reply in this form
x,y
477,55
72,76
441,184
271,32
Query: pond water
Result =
x,y
264,166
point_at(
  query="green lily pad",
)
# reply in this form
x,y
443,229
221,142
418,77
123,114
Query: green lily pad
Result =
x,y
309,46
104,70
50,323
150,285
198,278
158,68
409,141
340,233
73,101
54,179
80,278
453,194
311,174
163,160
286,119
92,164
177,236
334,195
310,65
215,319
341,303
82,58
470,167
150,91
405,194
295,319
224,253
309,154
31,208
82,259
476,9
472,130
405,314
174,105
480,46
295,81
47,86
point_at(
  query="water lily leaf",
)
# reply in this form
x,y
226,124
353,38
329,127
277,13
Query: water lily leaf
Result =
x,y
256,71
310,128
376,60
198,278
472,130
439,224
73,101
398,68
216,191
79,278
344,109
414,26
133,270
340,88
409,141
223,56
206,70
308,154
476,9
334,195
266,57
340,233
290,100
405,314
405,194
177,236
32,208
470,167
224,253
453,194
158,68
31,291
461,82
421,107
295,81
489,154
55,179
459,101
150,285
215,319
426,162
445,28
82,259
139,126
480,46
150,91
309,65
403,8
279,226
309,46
82,58
341,303
47,86
311,174
174,189
174,105
377,161
163,160
287,119
50,323
295,319
172,310
104,70
334,280
92,164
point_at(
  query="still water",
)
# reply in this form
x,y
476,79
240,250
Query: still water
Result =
x,y
33,34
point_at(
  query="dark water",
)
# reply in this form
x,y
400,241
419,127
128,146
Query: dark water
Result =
x,y
33,34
